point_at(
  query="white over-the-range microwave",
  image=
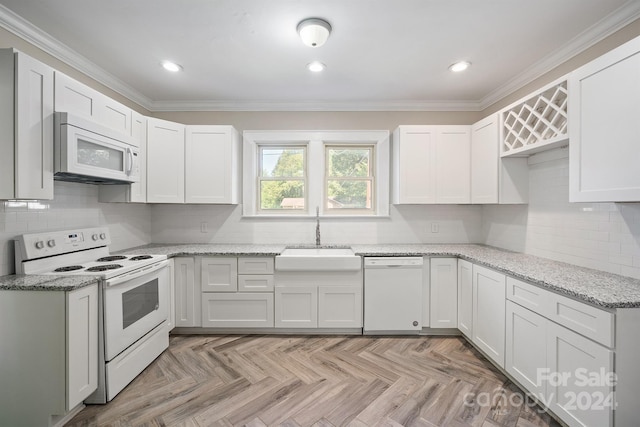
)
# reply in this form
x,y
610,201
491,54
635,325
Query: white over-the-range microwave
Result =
x,y
85,151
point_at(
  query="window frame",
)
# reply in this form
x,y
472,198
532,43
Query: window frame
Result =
x,y
260,178
371,177
315,191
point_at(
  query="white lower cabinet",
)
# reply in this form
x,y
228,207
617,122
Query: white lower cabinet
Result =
x,y
444,293
339,306
526,348
578,385
219,274
489,291
465,297
49,354
237,310
187,293
296,306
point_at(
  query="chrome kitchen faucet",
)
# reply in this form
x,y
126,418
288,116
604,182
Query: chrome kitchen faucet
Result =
x,y
317,226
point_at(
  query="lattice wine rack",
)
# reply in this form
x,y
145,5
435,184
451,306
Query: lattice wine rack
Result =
x,y
537,123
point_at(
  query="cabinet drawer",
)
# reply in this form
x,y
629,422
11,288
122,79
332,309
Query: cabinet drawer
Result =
x,y
586,320
529,296
255,283
255,265
582,318
228,310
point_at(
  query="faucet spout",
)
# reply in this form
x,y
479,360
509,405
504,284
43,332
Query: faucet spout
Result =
x,y
317,226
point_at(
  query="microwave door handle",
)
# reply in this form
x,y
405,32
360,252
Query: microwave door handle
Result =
x,y
130,161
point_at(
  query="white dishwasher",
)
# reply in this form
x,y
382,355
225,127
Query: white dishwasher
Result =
x,y
392,294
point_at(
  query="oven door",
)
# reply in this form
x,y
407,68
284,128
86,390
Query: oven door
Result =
x,y
134,304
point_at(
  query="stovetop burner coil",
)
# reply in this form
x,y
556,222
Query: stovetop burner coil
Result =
x,y
104,267
68,268
111,258
140,257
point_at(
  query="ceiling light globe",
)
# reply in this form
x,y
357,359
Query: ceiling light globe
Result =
x,y
314,32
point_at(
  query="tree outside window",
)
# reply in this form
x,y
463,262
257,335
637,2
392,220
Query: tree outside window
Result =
x,y
282,178
349,181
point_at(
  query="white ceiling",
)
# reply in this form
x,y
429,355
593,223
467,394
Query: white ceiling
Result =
x,y
381,55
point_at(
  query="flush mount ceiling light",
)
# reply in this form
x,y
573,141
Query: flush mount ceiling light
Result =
x,y
171,66
459,66
316,66
314,32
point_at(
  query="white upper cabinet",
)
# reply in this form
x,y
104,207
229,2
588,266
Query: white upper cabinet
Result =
x,y
76,98
165,161
495,179
431,164
212,154
26,127
604,107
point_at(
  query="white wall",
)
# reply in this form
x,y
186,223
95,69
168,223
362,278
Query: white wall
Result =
x,y
74,205
604,236
406,224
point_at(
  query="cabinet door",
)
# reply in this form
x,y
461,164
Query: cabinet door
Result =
x,y
465,297
526,348
444,293
603,115
237,310
34,129
73,97
82,344
212,156
114,115
414,165
453,164
219,274
187,297
339,306
579,383
484,160
165,161
296,307
489,291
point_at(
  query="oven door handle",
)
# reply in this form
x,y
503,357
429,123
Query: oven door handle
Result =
x,y
137,273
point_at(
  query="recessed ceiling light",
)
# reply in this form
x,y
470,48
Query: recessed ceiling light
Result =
x,y
459,66
171,66
316,66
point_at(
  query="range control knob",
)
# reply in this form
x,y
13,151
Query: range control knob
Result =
x,y
415,323
39,244
103,236
51,243
95,237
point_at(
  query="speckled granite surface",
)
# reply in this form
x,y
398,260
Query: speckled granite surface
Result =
x,y
593,286
36,282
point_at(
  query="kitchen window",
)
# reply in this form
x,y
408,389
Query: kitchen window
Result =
x,y
290,173
349,182
282,178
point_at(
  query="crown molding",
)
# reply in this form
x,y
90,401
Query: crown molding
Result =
x,y
613,22
398,105
17,25
45,42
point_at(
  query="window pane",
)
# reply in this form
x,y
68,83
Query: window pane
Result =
x,y
282,194
285,162
349,194
349,162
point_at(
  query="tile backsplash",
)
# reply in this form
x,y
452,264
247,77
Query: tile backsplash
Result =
x,y
74,205
604,236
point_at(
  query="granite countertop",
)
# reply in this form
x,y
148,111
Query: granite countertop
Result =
x,y
37,282
593,286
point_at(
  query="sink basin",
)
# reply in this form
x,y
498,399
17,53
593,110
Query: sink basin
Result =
x,y
318,259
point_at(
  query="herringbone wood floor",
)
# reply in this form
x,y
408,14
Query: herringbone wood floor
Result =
x,y
318,381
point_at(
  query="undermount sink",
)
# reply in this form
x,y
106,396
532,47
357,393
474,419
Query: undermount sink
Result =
x,y
318,259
